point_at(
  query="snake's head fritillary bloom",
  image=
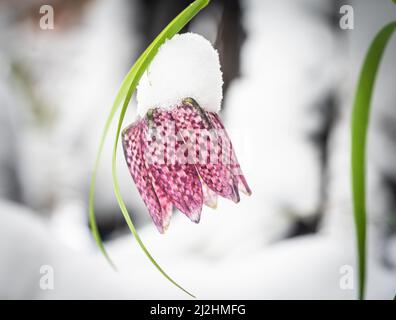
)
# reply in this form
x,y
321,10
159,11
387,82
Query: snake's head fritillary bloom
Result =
x,y
178,151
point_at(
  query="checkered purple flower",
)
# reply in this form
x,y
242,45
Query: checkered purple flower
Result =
x,y
182,157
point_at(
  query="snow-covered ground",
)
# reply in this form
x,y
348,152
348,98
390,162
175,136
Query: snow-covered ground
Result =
x,y
290,60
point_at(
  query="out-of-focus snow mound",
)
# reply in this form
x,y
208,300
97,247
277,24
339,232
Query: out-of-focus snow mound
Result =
x,y
26,245
186,66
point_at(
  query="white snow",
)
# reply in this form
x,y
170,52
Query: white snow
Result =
x,y
185,66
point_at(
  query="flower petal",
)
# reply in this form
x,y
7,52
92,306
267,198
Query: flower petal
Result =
x,y
154,197
165,203
229,153
194,126
180,180
182,186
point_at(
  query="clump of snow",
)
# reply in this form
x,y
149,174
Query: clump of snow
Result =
x,y
185,66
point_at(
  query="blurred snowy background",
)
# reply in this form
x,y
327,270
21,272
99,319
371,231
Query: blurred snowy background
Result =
x,y
290,73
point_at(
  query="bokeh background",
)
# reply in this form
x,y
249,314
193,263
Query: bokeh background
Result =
x,y
290,73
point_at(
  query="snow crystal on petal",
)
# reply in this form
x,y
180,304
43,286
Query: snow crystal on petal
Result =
x,y
186,66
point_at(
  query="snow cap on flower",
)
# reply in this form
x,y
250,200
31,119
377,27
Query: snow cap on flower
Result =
x,y
185,66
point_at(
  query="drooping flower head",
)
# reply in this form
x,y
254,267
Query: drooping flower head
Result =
x,y
177,151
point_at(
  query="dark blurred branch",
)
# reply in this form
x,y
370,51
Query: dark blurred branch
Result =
x,y
230,38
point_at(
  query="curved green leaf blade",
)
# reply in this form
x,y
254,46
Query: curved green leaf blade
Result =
x,y
117,102
125,93
359,126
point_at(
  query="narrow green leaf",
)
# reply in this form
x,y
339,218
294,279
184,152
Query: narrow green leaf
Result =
x,y
359,126
125,93
117,102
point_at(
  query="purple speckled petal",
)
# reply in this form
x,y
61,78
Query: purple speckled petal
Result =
x,y
165,203
180,180
229,152
159,206
215,174
183,187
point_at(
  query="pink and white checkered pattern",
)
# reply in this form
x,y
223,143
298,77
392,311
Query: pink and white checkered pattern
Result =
x,y
182,157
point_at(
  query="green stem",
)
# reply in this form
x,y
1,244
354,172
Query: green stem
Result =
x,y
117,102
359,127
